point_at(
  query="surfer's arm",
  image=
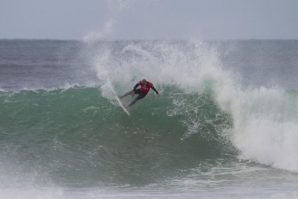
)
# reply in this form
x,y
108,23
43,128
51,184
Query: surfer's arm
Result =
x,y
136,86
134,89
155,90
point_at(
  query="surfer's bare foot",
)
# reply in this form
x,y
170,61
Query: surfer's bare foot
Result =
x,y
125,106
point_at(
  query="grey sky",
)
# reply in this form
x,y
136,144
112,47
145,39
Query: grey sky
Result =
x,y
149,19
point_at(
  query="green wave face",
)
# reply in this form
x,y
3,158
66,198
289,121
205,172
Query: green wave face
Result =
x,y
78,137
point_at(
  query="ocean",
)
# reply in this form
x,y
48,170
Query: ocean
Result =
x,y
225,125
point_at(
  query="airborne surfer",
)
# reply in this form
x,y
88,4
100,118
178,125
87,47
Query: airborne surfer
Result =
x,y
142,91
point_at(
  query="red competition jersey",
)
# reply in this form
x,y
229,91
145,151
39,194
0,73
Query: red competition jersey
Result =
x,y
145,89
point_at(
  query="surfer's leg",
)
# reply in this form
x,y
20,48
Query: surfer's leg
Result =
x,y
126,94
141,96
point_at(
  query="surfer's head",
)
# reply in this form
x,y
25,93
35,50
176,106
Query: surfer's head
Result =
x,y
144,82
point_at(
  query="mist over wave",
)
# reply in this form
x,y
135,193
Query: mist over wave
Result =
x,y
263,118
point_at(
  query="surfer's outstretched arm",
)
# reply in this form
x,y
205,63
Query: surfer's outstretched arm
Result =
x,y
155,91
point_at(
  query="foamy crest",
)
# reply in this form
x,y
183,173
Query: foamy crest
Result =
x,y
265,127
188,66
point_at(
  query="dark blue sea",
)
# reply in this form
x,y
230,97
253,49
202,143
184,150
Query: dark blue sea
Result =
x,y
225,125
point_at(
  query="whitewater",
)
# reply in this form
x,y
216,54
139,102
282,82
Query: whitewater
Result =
x,y
225,125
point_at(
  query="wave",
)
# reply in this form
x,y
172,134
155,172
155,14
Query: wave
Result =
x,y
263,119
56,133
61,131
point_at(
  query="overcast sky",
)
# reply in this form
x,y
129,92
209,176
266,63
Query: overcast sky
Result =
x,y
148,19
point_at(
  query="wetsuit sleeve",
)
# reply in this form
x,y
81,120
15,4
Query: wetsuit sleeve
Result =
x,y
134,88
154,89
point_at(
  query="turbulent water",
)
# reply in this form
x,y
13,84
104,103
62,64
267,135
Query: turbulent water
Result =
x,y
225,125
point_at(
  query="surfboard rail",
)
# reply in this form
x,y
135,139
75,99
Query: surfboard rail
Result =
x,y
122,106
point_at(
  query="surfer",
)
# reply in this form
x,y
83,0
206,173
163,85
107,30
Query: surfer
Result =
x,y
142,91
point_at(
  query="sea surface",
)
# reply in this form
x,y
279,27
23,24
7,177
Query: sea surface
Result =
x,y
225,125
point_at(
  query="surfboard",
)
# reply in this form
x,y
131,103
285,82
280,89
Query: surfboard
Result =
x,y
120,103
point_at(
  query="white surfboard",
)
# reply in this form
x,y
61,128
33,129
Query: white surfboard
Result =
x,y
120,103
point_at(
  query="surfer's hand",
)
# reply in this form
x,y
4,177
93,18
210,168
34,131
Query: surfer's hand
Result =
x,y
158,94
132,93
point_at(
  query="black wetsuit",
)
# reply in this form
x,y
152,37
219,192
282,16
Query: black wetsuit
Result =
x,y
136,91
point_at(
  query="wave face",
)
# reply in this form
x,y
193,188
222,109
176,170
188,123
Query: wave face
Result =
x,y
69,131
